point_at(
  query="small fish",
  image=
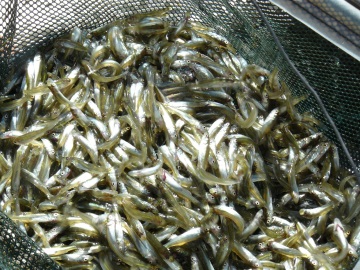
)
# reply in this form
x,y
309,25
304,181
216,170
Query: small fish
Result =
x,y
184,238
147,143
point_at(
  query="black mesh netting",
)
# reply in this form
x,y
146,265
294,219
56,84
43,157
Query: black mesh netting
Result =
x,y
27,25
18,251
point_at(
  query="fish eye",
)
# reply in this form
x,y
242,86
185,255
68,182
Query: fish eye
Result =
x,y
216,229
6,116
188,61
257,203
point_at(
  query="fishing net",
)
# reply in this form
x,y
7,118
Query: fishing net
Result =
x,y
26,26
